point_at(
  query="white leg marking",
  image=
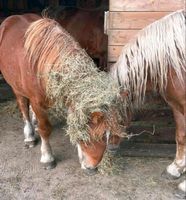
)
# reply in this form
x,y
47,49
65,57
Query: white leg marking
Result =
x,y
173,170
33,118
182,164
182,186
28,132
46,152
177,167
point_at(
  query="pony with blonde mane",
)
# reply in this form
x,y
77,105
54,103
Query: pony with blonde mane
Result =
x,y
156,61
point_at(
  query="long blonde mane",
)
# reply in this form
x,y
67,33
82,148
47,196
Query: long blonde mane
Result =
x,y
156,48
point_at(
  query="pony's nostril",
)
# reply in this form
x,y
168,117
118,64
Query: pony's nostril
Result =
x,y
90,171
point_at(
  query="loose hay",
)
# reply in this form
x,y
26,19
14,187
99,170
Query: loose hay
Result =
x,y
111,164
72,79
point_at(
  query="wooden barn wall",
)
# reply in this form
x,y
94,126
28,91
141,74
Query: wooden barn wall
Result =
x,y
126,18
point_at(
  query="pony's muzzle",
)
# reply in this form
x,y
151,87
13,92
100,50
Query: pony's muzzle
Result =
x,y
87,168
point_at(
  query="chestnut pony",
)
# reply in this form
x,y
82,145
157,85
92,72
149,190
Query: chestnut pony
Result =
x,y
30,48
156,61
78,21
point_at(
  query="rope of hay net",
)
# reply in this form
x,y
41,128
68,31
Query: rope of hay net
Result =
x,y
79,83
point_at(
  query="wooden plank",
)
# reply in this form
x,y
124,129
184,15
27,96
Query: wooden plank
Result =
x,y
113,53
120,37
146,5
147,150
133,20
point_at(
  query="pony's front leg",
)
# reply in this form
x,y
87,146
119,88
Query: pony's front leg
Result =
x,y
178,166
29,133
44,130
47,158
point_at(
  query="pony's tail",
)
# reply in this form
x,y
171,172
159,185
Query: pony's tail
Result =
x,y
40,43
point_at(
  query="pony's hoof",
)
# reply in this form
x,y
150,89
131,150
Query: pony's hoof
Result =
x,y
168,176
90,171
49,165
31,144
180,194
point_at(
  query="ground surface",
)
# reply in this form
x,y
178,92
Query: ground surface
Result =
x,y
22,178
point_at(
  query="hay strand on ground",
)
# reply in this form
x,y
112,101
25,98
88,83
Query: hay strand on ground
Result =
x,y
111,164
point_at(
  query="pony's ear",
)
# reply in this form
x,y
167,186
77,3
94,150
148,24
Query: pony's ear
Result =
x,y
96,117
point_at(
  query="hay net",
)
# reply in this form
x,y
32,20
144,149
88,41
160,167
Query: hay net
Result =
x,y
72,79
